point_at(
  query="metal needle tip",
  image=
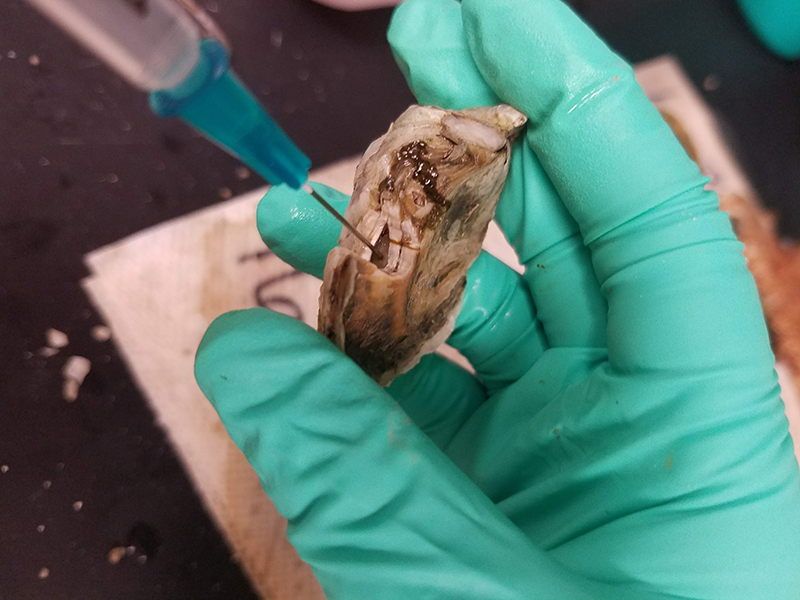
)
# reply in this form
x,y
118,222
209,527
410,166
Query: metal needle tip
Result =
x,y
308,189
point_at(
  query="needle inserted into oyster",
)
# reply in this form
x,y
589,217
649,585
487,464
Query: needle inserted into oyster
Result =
x,y
424,196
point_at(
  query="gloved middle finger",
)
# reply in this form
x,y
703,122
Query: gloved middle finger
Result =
x,y
428,40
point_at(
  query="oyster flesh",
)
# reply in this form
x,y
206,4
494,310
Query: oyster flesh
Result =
x,y
424,196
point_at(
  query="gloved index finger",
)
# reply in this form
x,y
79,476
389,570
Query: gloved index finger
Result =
x,y
295,227
664,255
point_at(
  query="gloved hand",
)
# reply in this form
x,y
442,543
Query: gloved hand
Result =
x,y
623,439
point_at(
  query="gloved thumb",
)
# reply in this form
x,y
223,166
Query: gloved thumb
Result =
x,y
373,505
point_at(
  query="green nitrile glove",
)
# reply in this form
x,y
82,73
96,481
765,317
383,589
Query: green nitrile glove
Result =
x,y
776,23
623,440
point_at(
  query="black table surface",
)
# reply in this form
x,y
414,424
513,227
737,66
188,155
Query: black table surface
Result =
x,y
84,163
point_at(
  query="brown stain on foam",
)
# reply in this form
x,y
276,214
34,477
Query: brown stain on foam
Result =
x,y
219,292
251,521
258,531
680,132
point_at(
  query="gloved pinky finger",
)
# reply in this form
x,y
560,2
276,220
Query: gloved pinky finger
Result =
x,y
497,329
298,229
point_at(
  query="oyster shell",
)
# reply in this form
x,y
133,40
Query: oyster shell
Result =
x,y
424,196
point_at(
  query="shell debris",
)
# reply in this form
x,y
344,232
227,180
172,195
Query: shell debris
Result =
x,y
116,554
101,333
56,338
75,371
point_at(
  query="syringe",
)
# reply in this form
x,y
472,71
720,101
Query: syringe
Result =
x,y
174,51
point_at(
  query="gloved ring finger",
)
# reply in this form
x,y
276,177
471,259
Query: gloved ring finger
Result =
x,y
497,329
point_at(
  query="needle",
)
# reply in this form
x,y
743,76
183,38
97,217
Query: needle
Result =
x,y
341,219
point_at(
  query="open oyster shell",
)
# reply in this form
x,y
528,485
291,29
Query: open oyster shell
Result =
x,y
424,196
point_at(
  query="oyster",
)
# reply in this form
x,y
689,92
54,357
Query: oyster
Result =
x,y
424,196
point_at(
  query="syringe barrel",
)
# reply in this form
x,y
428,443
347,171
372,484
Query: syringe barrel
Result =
x,y
216,103
154,44
184,63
